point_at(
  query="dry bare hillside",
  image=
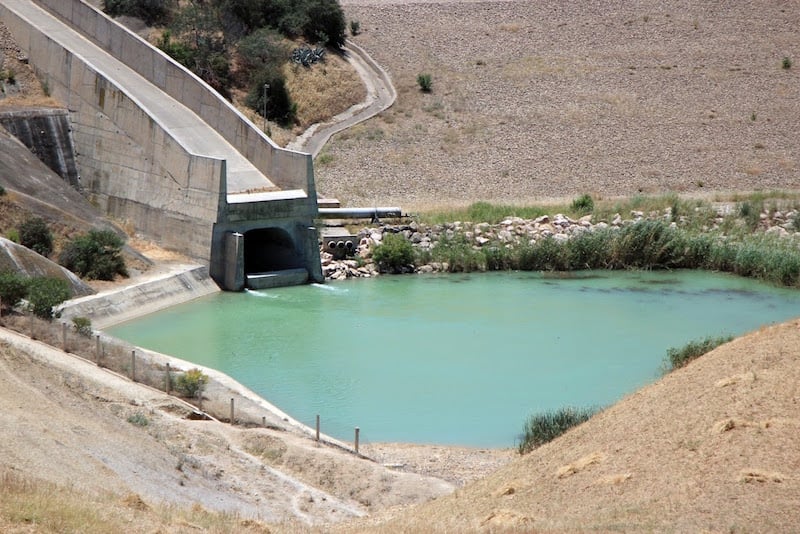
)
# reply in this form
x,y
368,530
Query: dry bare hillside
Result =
x,y
536,100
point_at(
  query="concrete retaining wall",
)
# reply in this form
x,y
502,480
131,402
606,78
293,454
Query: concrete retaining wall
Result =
x,y
151,295
135,169
46,132
284,168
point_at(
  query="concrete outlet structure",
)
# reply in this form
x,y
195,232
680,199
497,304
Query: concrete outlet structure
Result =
x,y
160,149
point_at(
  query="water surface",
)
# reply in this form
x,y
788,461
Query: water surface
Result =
x,y
456,359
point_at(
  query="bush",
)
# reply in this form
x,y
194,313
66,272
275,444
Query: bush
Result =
x,y
13,288
96,255
151,11
425,82
83,326
786,63
34,234
394,253
355,27
192,383
545,427
279,104
678,357
138,419
583,204
44,294
460,255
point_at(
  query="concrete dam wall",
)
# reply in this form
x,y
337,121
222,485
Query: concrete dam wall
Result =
x,y
46,133
187,173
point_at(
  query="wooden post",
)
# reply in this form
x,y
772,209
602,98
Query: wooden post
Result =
x,y
358,430
97,348
133,365
232,419
31,323
317,428
64,336
166,386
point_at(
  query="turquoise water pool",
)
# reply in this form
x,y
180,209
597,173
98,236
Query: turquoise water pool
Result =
x,y
456,359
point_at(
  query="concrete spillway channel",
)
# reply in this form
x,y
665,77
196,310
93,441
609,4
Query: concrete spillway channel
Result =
x,y
159,148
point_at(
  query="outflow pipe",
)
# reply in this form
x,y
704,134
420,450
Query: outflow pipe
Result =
x,y
359,213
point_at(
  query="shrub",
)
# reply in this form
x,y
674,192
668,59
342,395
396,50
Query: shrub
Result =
x,y
459,254
425,82
583,204
44,294
324,22
13,288
678,357
355,27
2,191
264,48
34,234
279,106
151,11
192,383
545,427
13,235
138,419
394,253
96,255
83,326
786,63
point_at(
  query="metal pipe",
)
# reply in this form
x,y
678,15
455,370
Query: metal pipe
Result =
x,y
359,213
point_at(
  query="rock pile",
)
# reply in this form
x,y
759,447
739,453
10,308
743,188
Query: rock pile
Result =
x,y
514,231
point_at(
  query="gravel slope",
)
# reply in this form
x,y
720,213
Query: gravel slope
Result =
x,y
536,100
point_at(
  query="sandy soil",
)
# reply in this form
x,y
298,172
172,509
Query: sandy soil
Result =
x,y
537,100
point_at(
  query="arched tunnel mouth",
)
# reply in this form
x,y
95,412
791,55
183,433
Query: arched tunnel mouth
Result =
x,y
270,249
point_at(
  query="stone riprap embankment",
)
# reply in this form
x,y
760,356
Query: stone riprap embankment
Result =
x,y
515,231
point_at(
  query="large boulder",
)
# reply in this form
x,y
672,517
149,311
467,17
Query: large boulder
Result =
x,y
16,258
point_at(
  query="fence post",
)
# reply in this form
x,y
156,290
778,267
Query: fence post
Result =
x,y
233,421
358,430
166,387
31,326
133,365
64,336
97,349
264,421
317,428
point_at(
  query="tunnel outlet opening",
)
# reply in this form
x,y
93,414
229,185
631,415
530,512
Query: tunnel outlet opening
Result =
x,y
270,249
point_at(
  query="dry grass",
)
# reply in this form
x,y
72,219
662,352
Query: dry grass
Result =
x,y
31,505
324,89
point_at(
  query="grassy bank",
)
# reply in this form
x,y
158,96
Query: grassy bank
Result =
x,y
669,233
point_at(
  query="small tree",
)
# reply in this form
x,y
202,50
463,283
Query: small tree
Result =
x,y
35,234
44,294
425,82
96,255
13,288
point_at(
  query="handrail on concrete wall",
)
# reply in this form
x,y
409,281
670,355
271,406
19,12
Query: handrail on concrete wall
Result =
x,y
285,168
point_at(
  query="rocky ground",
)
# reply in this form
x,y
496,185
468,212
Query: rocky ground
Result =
x,y
535,101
